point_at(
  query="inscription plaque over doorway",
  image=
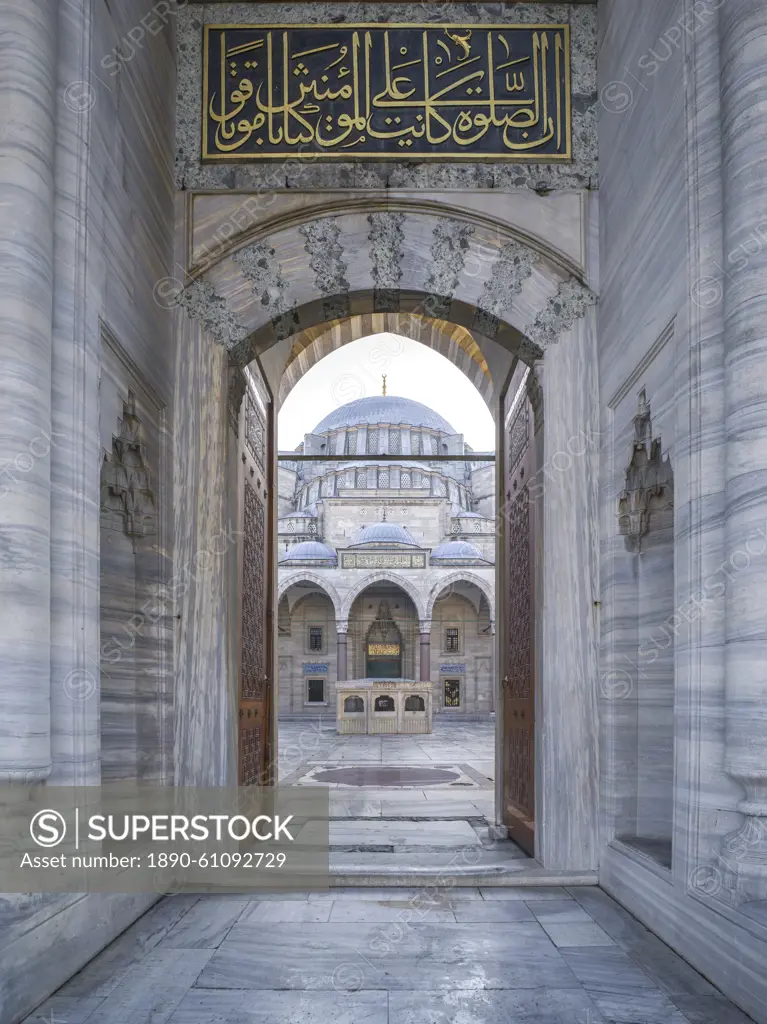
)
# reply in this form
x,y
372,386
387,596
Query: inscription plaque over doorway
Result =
x,y
384,92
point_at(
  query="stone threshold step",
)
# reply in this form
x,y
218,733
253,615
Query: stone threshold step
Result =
x,y
395,877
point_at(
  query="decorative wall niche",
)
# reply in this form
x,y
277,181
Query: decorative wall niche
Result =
x,y
127,500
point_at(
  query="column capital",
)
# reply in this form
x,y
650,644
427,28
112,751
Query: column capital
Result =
x,y
424,626
342,627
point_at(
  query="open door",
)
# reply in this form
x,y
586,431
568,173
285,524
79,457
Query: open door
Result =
x,y
518,641
255,740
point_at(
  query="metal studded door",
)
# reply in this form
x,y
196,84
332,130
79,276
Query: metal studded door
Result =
x,y
255,740
518,691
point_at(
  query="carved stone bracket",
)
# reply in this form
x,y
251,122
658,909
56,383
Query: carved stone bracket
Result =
x,y
647,500
126,496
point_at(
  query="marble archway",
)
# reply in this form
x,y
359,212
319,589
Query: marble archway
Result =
x,y
268,295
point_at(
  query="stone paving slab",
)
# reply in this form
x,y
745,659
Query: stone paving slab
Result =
x,y
489,1007
222,1006
360,956
421,956
397,834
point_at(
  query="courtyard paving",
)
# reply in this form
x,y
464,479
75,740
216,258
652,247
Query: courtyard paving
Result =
x,y
461,956
402,803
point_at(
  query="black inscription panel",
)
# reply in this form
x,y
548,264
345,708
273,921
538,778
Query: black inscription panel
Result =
x,y
382,92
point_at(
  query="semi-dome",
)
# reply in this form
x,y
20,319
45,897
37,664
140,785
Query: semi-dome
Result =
x,y
385,533
457,550
383,409
310,551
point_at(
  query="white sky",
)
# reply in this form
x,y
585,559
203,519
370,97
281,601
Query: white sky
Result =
x,y
412,371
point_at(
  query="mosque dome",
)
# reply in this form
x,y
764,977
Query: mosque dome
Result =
x,y
385,533
383,409
310,551
456,551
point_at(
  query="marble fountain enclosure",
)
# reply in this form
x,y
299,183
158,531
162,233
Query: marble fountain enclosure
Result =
x,y
633,281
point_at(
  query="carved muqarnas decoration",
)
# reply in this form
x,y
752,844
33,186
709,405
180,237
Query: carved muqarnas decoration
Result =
x,y
647,501
126,496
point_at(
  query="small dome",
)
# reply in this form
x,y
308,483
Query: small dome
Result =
x,y
309,551
385,533
383,409
457,550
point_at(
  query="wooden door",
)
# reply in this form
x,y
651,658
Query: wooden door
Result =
x,y
518,679
256,677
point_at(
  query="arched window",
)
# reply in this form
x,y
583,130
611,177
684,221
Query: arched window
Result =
x,y
354,704
384,704
415,703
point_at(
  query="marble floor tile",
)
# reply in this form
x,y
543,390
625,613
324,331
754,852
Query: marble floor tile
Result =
x,y
289,1007
388,956
405,912
560,912
569,1006
710,1010
522,892
151,991
574,934
104,973
353,806
669,971
205,925
286,912
64,1010
623,993
486,911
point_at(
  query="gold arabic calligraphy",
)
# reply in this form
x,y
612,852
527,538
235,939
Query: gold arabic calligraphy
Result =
x,y
403,90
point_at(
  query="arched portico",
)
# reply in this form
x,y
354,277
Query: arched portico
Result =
x,y
461,576
322,585
371,580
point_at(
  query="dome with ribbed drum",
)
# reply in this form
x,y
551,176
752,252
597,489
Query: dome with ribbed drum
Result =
x,y
383,409
312,552
386,533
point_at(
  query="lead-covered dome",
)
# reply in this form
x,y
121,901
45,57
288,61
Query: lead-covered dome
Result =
x,y
383,409
456,551
385,533
313,552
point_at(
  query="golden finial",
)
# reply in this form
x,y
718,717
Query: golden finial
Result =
x,y
384,383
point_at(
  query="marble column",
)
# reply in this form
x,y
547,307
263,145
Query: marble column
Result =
x,y
743,52
425,674
27,129
341,662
